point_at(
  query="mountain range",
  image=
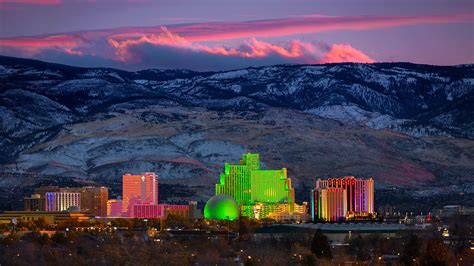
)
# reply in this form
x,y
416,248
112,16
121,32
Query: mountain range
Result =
x,y
405,125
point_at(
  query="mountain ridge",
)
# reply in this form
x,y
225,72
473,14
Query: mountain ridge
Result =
x,y
404,124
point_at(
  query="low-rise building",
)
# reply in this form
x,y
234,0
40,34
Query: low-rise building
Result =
x,y
49,217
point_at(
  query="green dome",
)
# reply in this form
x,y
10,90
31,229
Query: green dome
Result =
x,y
221,207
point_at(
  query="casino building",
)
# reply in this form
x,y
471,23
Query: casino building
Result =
x,y
140,200
138,189
260,193
346,198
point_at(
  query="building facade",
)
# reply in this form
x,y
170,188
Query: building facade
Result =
x,y
148,211
114,208
50,217
34,203
61,201
259,193
94,200
160,210
357,194
235,181
332,204
138,189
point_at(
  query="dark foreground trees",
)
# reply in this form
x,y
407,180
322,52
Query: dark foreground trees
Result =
x,y
320,246
437,254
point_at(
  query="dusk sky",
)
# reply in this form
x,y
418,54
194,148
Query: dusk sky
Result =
x,y
217,34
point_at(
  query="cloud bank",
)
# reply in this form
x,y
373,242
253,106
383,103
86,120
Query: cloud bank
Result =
x,y
200,46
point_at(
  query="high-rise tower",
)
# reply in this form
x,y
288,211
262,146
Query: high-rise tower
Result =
x,y
138,189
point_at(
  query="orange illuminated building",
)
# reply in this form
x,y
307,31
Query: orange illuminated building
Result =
x,y
138,189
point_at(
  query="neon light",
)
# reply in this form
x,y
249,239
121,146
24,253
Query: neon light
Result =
x,y
249,185
339,198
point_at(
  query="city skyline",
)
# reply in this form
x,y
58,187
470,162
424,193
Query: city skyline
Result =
x,y
236,132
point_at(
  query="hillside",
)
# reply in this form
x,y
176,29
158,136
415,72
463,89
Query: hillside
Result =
x,y
404,124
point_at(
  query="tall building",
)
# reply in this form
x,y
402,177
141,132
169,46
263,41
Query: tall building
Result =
x,y
94,200
61,201
138,189
248,184
34,203
236,178
359,198
332,204
259,193
271,186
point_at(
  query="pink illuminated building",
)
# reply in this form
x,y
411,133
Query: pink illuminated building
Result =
x,y
114,208
138,189
140,199
159,210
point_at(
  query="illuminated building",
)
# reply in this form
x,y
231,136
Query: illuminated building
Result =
x,y
282,212
235,181
114,208
248,184
140,199
337,199
259,193
50,217
332,204
148,211
271,186
61,201
138,189
34,203
160,210
94,200
37,201
176,210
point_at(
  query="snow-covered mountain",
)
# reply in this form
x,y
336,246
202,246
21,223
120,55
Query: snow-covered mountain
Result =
x,y
402,123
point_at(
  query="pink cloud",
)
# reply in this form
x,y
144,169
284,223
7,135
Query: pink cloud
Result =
x,y
135,45
301,25
295,50
345,53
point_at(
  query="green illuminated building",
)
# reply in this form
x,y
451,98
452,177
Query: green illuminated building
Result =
x,y
270,186
249,185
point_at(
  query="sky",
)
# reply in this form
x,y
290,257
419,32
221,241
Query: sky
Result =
x,y
208,35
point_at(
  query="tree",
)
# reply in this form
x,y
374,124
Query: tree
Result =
x,y
59,237
411,250
320,245
358,247
37,237
40,223
437,254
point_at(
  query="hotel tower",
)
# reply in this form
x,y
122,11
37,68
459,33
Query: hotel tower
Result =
x,y
337,199
138,189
